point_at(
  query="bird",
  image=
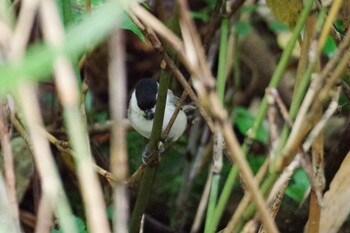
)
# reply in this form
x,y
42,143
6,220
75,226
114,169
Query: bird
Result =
x,y
142,106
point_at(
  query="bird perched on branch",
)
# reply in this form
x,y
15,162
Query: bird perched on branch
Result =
x,y
142,108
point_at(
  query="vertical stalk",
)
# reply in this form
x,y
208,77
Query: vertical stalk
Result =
x,y
67,88
230,181
151,149
118,155
218,147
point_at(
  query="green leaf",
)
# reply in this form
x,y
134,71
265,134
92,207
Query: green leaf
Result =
x,y
255,162
128,24
244,120
339,25
329,47
298,185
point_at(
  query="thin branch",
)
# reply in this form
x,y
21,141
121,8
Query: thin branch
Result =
x,y
173,117
175,70
202,205
10,176
321,124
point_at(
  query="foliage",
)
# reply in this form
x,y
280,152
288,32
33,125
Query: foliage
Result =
x,y
244,120
298,186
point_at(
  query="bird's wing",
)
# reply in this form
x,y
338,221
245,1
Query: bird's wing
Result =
x,y
173,99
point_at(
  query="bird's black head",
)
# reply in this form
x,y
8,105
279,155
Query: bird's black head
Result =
x,y
146,93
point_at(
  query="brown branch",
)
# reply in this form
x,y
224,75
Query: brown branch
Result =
x,y
172,66
173,117
10,176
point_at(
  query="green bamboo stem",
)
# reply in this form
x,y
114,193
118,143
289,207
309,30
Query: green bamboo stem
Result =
x,y
250,210
281,66
220,87
142,199
148,174
262,112
300,90
222,67
214,191
236,66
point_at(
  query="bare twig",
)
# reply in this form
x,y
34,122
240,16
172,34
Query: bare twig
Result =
x,y
202,205
190,92
173,117
320,125
271,116
8,162
282,107
191,170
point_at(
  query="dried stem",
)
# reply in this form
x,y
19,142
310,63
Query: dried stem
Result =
x,y
245,200
52,186
202,205
67,91
10,176
8,222
119,165
173,117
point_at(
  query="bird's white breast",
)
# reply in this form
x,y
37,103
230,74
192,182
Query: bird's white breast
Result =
x,y
144,126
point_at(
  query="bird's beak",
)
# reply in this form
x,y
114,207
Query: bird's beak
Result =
x,y
149,114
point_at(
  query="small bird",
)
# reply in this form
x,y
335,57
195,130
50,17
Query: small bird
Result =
x,y
142,108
